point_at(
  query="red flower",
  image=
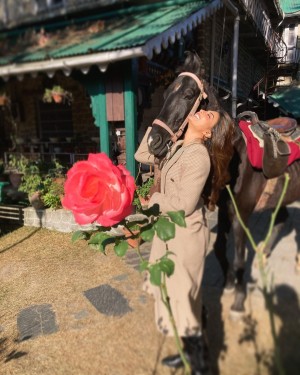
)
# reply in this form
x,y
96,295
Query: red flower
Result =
x,y
98,191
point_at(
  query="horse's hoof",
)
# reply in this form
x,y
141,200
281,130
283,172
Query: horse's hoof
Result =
x,y
235,315
229,289
251,285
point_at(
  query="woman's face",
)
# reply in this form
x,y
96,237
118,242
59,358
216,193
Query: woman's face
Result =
x,y
204,121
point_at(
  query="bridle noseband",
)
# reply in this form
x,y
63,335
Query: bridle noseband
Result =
x,y
178,134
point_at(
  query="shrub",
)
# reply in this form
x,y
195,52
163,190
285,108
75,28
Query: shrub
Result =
x,y
143,191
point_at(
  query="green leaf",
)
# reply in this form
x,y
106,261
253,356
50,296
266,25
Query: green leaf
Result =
x,y
167,266
164,229
100,240
79,235
147,233
155,274
121,248
178,217
144,265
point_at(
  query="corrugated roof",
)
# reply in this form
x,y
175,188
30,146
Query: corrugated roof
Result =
x,y
288,99
290,6
136,31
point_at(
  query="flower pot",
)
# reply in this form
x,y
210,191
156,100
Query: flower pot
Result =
x,y
36,201
53,139
20,140
144,201
15,179
132,242
3,100
57,97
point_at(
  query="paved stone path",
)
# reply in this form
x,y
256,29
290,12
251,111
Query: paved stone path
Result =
x,y
108,300
36,320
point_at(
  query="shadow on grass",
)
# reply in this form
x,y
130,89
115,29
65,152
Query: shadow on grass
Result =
x,y
287,308
8,354
8,228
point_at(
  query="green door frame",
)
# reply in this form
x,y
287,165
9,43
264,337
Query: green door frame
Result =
x,y
94,83
130,108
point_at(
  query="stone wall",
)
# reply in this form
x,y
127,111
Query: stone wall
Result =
x,y
60,220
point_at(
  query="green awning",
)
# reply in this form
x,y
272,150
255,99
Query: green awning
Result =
x,y
106,37
290,6
287,99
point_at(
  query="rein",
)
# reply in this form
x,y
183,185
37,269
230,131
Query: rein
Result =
x,y
178,134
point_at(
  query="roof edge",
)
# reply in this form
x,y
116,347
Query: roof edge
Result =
x,y
103,59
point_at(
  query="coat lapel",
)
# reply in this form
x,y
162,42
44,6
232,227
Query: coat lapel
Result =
x,y
175,155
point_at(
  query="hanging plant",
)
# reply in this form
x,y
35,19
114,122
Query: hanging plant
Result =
x,y
57,95
4,99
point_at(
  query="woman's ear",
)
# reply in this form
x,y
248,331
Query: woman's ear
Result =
x,y
207,134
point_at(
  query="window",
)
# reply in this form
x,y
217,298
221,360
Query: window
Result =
x,y
54,120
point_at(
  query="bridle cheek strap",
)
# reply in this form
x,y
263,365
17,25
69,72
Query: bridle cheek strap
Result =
x,y
178,134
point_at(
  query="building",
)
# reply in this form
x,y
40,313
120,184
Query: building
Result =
x,y
115,58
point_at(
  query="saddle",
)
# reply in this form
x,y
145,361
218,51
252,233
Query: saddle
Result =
x,y
273,136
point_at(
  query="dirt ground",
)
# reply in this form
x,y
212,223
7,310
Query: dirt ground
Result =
x,y
39,266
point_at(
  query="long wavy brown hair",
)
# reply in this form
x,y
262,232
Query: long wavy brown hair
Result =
x,y
220,149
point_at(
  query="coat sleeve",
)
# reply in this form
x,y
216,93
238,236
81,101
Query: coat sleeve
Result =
x,y
195,167
142,154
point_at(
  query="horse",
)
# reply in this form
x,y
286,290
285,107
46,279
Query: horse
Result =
x,y
247,183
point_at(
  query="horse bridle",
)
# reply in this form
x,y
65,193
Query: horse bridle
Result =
x,y
178,134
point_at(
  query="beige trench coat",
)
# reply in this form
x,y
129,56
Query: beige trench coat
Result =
x,y
183,177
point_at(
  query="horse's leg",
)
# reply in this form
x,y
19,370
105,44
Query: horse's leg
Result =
x,y
280,221
239,255
246,201
220,245
239,260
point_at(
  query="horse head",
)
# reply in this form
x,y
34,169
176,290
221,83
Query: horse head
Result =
x,y
180,98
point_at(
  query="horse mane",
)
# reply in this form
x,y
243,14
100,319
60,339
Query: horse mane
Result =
x,y
193,64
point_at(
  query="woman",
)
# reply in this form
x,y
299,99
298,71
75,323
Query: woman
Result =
x,y
200,159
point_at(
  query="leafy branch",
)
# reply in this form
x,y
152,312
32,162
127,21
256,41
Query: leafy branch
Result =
x,y
259,249
153,223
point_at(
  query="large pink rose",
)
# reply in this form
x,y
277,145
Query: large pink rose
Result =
x,y
98,191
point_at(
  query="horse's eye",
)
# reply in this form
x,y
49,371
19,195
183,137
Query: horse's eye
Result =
x,y
188,94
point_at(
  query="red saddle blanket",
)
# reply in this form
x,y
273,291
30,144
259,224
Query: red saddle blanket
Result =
x,y
255,146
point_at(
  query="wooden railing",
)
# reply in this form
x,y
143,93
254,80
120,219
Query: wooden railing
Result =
x,y
272,39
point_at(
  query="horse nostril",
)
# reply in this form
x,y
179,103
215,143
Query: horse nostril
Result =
x,y
155,142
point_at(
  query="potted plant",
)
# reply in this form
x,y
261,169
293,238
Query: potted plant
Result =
x,y
16,168
44,189
58,95
54,192
2,170
4,99
33,184
142,194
